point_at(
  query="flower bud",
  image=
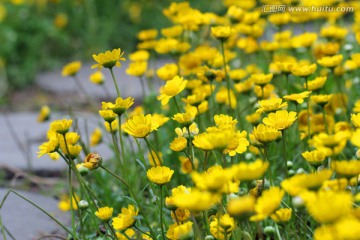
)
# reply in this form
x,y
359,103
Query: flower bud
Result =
x,y
92,161
269,231
289,164
83,204
209,237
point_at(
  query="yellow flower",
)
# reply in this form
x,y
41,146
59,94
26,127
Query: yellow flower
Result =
x,y
64,203
168,71
261,79
159,175
92,161
185,119
108,115
280,120
355,119
112,127
140,126
44,114
213,179
265,134
108,59
159,119
178,144
178,231
104,213
254,118
139,56
282,215
301,182
125,219
221,32
241,206
315,157
330,62
303,40
120,106
172,88
130,233
329,206
222,96
61,126
97,78
279,18
333,144
345,168
180,214
271,105
196,200
71,69
152,155
60,20
237,74
147,34
333,31
169,201
48,147
250,171
137,68
298,98
267,203
221,225
194,99
303,70
316,84
172,32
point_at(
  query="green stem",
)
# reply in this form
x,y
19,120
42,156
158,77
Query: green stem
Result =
x,y
192,159
70,189
38,207
284,153
161,213
226,74
142,82
134,197
153,150
176,104
122,147
115,82
277,232
117,150
324,116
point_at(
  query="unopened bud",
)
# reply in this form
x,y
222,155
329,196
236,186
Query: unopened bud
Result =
x,y
269,231
83,204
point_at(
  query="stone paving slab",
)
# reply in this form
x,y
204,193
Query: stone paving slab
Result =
x,y
24,221
31,134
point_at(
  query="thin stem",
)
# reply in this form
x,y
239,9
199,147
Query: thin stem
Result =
x,y
142,82
192,159
153,150
70,189
161,212
226,74
324,116
176,104
134,197
115,83
284,153
38,207
117,150
122,146
2,228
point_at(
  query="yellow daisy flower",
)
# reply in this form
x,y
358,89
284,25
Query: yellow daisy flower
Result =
x,y
108,59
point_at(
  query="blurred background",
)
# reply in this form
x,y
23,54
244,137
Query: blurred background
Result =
x,y
43,35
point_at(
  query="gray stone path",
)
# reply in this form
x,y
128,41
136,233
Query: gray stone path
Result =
x,y
24,221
